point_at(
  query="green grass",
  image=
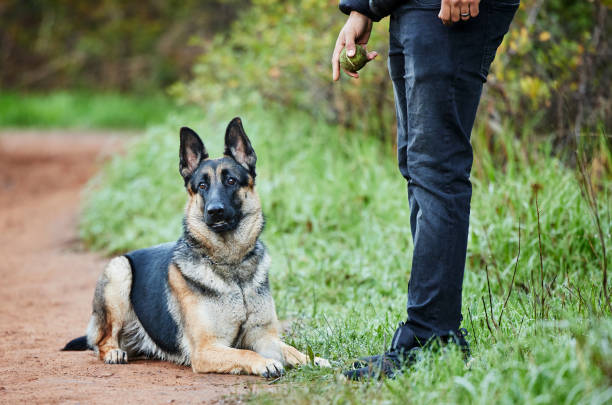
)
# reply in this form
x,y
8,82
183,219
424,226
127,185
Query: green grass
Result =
x,y
82,109
338,233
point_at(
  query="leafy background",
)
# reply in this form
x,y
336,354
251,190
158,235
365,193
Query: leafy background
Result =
x,y
551,77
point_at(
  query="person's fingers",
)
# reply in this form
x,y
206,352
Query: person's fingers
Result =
x,y
335,69
464,11
365,36
444,13
336,57
474,8
352,74
372,55
455,11
349,38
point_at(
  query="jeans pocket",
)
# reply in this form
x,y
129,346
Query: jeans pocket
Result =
x,y
499,16
427,4
503,4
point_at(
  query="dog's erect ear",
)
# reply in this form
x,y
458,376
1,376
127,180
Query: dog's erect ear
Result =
x,y
191,154
238,146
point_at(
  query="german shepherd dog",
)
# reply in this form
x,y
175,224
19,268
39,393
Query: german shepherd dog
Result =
x,y
205,299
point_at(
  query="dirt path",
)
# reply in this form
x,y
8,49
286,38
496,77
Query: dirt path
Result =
x,y
47,282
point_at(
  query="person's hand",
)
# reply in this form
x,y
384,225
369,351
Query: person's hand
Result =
x,y
452,11
356,31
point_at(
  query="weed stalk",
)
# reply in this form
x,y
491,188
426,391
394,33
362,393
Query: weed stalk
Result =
x,y
542,295
518,256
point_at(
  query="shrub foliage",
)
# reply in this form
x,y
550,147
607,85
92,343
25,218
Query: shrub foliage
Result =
x,y
104,44
554,62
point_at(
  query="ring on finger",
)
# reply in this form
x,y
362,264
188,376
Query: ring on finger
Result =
x,y
465,15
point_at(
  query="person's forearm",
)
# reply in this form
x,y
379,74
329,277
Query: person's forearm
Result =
x,y
384,7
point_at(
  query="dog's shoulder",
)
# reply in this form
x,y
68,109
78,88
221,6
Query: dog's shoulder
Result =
x,y
152,257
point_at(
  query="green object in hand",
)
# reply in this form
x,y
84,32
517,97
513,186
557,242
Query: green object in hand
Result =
x,y
356,62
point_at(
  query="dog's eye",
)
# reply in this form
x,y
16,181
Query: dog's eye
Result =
x,y
231,181
203,186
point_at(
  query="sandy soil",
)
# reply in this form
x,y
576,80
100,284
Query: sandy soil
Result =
x,y
47,282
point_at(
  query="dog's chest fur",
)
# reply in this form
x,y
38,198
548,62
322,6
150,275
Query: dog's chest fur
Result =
x,y
232,298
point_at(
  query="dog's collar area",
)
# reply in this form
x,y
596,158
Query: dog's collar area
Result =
x,y
246,257
203,254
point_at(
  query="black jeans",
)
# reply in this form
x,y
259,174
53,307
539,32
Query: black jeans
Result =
x,y
438,73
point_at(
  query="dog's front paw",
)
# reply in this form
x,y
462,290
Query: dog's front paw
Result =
x,y
116,356
321,362
269,368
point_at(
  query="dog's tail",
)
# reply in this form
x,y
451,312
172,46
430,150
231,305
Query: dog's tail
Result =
x,y
77,344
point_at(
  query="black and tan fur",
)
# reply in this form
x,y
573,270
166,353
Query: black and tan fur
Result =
x,y
210,305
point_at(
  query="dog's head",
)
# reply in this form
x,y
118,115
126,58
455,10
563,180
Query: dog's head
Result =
x,y
221,190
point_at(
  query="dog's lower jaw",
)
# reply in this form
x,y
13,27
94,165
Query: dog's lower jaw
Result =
x,y
222,227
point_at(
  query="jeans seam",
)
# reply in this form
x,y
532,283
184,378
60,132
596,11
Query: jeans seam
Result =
x,y
503,4
485,54
452,111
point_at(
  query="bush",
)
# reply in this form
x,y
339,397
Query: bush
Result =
x,y
551,76
108,44
281,52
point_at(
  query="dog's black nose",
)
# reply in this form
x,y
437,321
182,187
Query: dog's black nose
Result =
x,y
215,210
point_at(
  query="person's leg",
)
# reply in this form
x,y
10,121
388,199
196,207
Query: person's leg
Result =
x,y
443,72
438,73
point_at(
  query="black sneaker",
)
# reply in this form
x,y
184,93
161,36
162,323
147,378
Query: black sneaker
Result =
x,y
460,340
391,363
403,340
404,352
387,365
